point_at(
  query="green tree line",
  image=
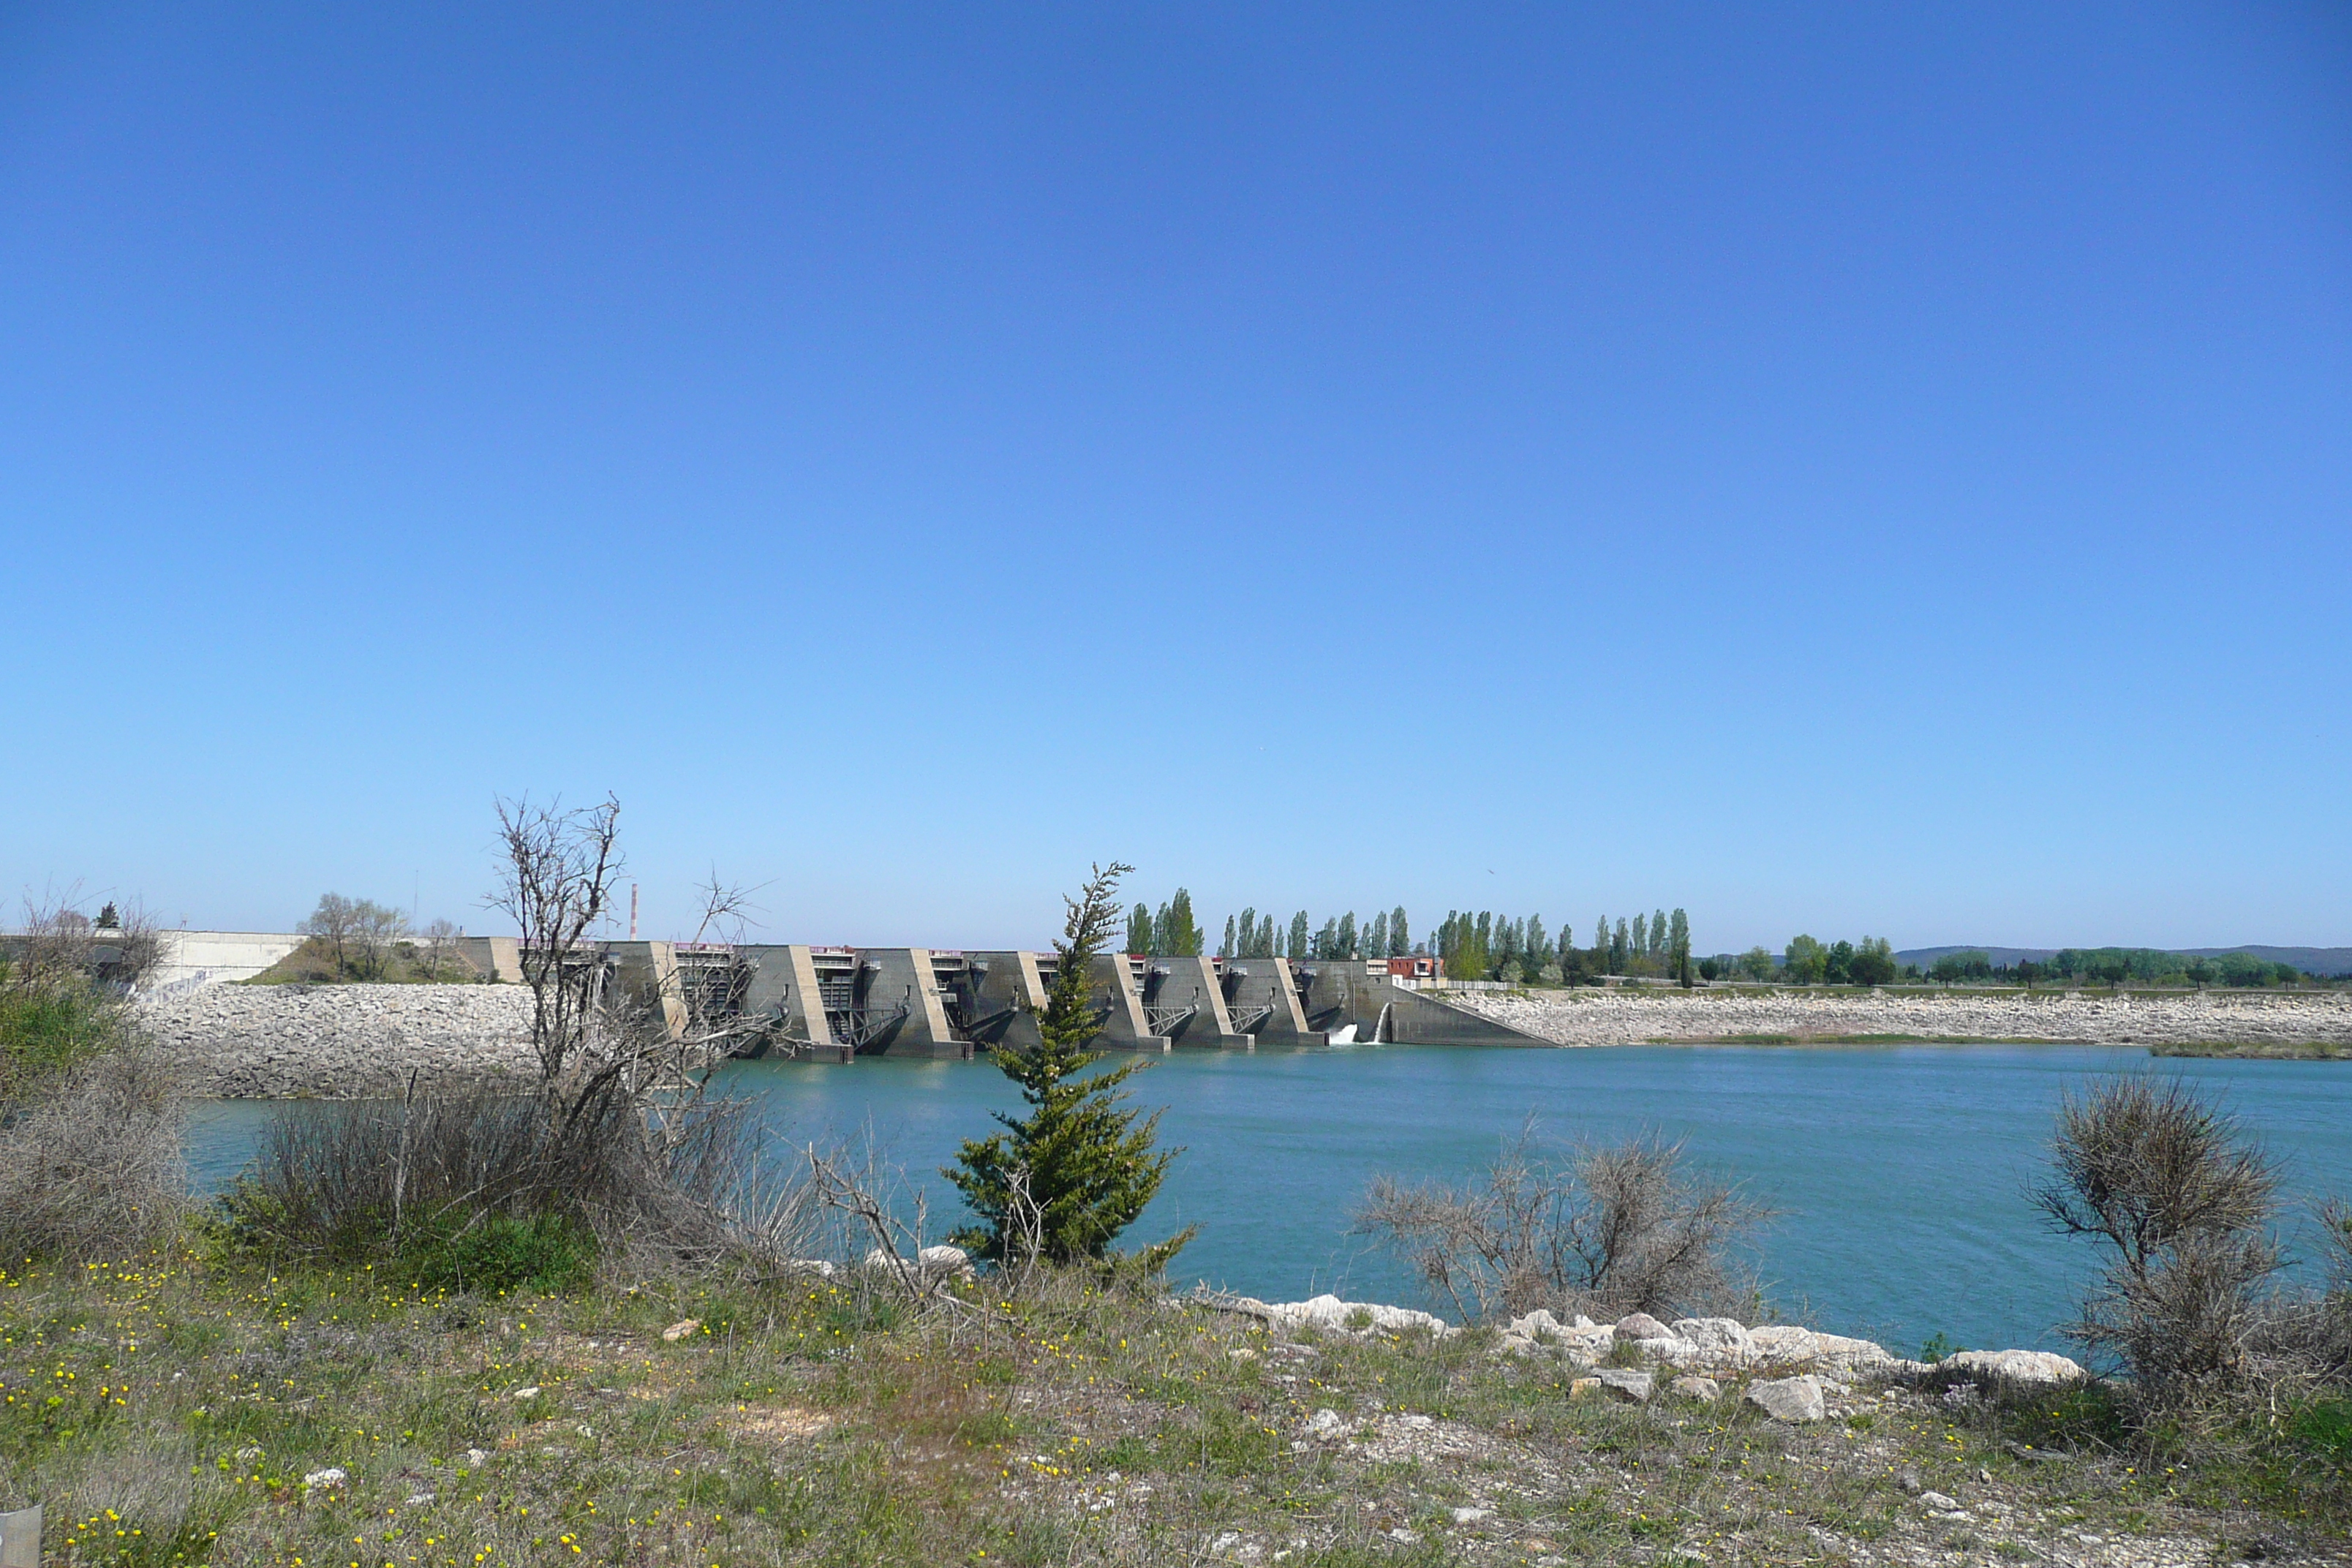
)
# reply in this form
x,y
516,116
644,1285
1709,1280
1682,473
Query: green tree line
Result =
x,y
1475,945
2115,965
1488,946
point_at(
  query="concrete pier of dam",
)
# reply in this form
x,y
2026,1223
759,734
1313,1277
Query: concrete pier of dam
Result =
x,y
837,1004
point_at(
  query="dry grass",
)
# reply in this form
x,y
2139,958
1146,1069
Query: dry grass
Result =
x,y
91,1159
804,1422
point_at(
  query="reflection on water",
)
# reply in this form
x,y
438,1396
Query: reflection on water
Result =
x,y
1900,1172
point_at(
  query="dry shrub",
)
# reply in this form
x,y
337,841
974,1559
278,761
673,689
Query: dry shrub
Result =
x,y
58,945
90,1161
90,1164
2312,1331
2180,1199
1604,1229
512,1187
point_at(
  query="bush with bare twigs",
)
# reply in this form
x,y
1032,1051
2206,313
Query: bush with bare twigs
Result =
x,y
615,1151
2181,1200
1604,1229
90,1155
477,1186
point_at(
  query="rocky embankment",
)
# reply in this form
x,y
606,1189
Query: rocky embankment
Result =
x,y
1591,1017
338,1042
1789,1373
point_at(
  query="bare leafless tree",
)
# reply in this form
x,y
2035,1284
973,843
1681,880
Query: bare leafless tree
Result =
x,y
727,908
441,938
376,933
335,925
557,873
1602,1229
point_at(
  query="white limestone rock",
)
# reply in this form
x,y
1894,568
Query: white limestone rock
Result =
x,y
1331,1315
1796,1400
944,1263
1721,1340
1633,1387
2031,1369
1778,1345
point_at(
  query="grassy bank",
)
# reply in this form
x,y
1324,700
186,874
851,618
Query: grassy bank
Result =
x,y
169,1409
1861,1039
2257,1050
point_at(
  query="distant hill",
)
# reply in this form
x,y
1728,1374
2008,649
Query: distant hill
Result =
x,y
2311,959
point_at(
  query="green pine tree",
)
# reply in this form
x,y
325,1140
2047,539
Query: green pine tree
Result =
x,y
1085,1166
1139,930
1226,948
1299,938
1400,934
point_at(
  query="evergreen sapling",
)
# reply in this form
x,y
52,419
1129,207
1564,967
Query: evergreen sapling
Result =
x,y
1060,1182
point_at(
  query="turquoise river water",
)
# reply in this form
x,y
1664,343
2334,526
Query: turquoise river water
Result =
x,y
1900,1172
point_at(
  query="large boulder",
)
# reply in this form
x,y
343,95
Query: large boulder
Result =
x,y
1332,1315
1832,1352
945,1263
1633,1387
1793,1399
1538,1325
2030,1369
1582,1343
931,1266
1722,1339
1775,1341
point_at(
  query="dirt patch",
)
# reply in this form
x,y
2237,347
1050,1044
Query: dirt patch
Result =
x,y
781,1422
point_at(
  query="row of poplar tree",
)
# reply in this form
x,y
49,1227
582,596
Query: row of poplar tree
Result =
x,y
1483,946
1494,947
1172,933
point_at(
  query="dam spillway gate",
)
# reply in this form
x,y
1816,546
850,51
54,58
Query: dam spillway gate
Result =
x,y
837,1004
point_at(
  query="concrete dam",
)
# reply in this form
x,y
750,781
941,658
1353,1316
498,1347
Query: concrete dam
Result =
x,y
837,1003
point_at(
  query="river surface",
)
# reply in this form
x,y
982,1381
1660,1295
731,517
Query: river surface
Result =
x,y
1900,1172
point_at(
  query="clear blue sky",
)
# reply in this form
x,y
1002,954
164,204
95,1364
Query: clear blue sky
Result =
x,y
1851,470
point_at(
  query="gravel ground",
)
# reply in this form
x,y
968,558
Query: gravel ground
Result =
x,y
1593,1017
